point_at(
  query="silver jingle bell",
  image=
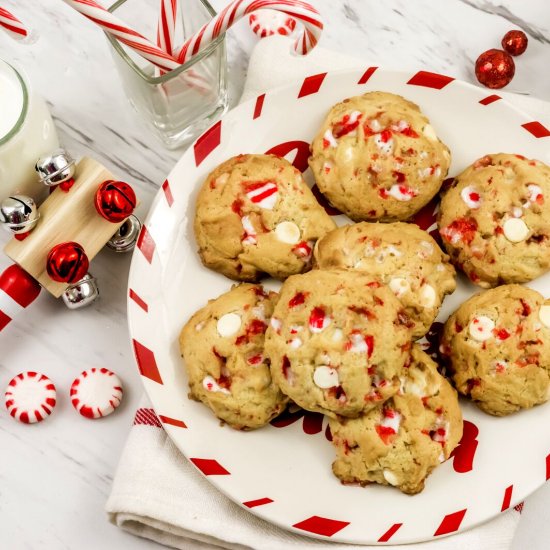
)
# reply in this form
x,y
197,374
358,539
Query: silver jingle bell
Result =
x,y
82,293
18,214
125,239
55,168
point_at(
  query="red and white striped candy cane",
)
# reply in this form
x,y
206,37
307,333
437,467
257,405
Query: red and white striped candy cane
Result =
x,y
12,25
111,24
17,291
301,11
167,25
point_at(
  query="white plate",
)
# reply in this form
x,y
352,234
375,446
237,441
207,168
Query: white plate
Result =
x,y
284,474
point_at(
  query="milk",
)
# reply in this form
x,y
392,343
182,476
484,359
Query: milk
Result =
x,y
26,133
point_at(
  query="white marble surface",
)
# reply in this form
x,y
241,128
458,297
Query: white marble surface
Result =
x,y
55,476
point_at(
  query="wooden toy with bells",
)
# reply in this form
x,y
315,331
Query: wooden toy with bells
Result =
x,y
54,243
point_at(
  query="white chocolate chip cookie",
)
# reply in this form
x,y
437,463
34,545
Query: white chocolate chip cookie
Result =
x,y
399,255
376,157
222,346
255,215
494,220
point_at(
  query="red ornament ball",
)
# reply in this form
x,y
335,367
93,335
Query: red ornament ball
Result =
x,y
67,263
495,68
115,200
515,42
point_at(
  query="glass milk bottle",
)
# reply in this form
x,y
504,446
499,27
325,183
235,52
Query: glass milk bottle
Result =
x,y
27,132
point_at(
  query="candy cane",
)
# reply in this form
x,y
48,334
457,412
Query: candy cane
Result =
x,y
167,25
17,291
301,11
12,25
117,28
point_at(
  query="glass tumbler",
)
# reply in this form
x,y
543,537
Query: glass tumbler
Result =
x,y
178,105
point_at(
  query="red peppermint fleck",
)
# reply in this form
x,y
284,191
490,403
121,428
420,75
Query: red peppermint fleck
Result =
x,y
298,299
317,319
374,284
399,177
326,143
255,359
302,250
462,229
409,132
520,157
385,433
363,311
383,193
499,230
483,162
237,207
501,333
224,381
385,135
525,308
347,125
472,383
260,292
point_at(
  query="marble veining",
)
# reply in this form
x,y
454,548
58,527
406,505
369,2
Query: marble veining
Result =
x,y
55,477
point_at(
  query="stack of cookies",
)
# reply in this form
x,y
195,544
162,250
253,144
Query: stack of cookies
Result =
x,y
340,336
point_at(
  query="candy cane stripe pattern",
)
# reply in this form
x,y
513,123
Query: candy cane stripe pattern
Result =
x,y
12,25
269,22
114,26
301,11
30,397
96,392
17,291
167,25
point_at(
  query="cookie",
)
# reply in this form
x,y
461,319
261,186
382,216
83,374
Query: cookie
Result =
x,y
399,255
401,442
338,342
255,215
494,220
222,346
376,157
498,347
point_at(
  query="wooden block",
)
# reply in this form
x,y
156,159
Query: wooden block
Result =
x,y
66,217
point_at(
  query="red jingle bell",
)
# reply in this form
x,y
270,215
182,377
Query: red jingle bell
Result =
x,y
515,42
495,68
67,263
115,200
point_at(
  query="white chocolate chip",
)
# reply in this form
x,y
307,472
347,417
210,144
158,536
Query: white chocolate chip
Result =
x,y
337,335
423,155
517,212
544,315
276,324
429,132
325,377
428,296
440,267
249,230
199,326
399,286
221,180
426,250
209,384
375,125
347,154
424,173
390,477
441,457
509,175
471,197
228,324
295,343
329,137
287,232
515,230
481,328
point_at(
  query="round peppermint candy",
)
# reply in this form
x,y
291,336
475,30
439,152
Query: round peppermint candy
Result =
x,y
30,397
269,22
96,392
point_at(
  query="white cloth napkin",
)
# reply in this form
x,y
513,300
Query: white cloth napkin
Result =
x,y
158,495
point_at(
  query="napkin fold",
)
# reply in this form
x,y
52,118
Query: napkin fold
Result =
x,y
158,495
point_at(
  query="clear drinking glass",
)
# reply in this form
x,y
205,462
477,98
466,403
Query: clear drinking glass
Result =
x,y
178,105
